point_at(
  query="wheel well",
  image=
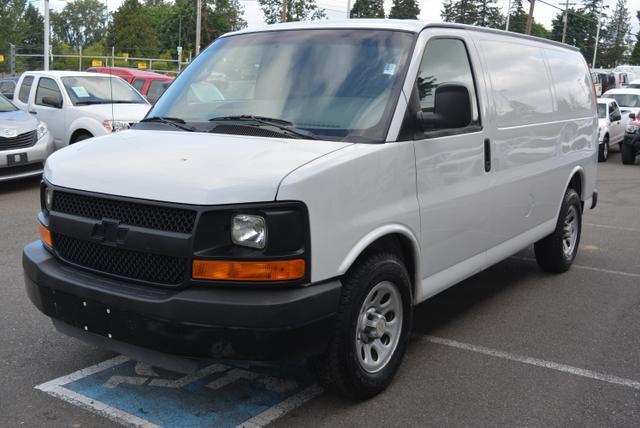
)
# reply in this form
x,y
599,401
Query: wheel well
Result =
x,y
77,133
399,245
576,184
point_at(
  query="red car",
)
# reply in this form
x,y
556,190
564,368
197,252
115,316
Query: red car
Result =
x,y
148,83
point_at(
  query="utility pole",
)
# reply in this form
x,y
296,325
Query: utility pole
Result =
x,y
284,10
530,17
506,27
595,49
198,20
46,35
565,18
349,9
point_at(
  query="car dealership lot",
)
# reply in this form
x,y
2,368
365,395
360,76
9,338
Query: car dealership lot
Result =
x,y
512,345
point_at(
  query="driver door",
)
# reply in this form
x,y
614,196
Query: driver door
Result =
x,y
52,116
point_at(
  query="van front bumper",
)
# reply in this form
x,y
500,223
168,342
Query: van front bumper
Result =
x,y
203,323
36,157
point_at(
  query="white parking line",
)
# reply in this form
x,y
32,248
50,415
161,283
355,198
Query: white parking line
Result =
x,y
273,413
536,362
595,269
626,229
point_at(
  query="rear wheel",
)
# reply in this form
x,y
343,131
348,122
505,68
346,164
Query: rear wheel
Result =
x,y
627,154
603,150
556,252
371,331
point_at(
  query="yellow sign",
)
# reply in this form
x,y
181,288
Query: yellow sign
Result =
x,y
1,58
125,56
142,66
96,63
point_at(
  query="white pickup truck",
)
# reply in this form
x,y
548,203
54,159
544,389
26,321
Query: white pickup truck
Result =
x,y
611,126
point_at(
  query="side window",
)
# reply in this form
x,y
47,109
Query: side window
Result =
x,y
445,61
615,111
47,88
6,88
156,88
25,88
138,84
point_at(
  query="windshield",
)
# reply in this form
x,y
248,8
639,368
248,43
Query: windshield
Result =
x,y
625,100
602,110
84,90
5,105
333,84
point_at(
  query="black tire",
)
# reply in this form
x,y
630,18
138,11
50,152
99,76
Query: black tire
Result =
x,y
628,155
550,251
339,369
603,149
84,136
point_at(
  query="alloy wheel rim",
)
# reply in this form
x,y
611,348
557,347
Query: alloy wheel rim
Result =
x,y
379,326
606,149
570,231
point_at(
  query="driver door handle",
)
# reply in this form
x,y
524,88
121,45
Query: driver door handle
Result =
x,y
487,155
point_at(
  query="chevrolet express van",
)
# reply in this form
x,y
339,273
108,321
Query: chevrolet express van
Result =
x,y
344,173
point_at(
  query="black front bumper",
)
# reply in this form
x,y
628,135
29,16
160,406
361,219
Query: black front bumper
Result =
x,y
206,322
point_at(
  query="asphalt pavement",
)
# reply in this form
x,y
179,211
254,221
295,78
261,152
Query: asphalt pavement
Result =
x,y
511,346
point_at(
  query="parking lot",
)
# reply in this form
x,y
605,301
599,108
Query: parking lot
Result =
x,y
509,346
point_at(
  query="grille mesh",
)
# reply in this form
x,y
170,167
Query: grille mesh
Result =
x,y
118,261
248,130
131,213
27,139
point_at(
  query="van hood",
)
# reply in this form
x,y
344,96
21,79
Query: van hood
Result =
x,y
124,112
183,167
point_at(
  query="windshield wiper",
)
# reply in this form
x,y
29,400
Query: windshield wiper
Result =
x,y
285,126
171,121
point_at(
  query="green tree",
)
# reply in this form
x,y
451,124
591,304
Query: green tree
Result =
x,y
11,31
367,9
460,11
616,40
131,30
32,28
576,28
635,54
517,17
404,9
591,12
80,23
488,14
297,10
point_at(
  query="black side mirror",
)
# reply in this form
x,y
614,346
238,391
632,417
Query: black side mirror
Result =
x,y
451,109
632,116
52,102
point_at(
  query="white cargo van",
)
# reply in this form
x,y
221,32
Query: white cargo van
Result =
x,y
339,174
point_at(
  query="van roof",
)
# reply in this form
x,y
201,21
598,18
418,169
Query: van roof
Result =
x,y
410,25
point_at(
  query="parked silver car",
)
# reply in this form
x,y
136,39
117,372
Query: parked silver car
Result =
x,y
25,142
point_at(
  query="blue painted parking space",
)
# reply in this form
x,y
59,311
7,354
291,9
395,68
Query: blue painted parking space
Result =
x,y
219,395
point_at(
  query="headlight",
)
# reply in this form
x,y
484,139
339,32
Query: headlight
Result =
x,y
632,129
115,125
42,129
249,230
48,198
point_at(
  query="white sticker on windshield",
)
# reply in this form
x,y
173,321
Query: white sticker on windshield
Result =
x,y
80,91
389,69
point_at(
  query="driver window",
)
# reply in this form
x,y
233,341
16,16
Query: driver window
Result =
x,y
445,61
47,88
615,111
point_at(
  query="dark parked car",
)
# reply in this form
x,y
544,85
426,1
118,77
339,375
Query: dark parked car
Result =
x,y
630,147
8,86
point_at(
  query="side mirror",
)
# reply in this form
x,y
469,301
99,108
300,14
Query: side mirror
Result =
x,y
451,109
632,116
52,102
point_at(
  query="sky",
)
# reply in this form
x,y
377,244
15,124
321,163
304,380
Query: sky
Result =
x,y
430,9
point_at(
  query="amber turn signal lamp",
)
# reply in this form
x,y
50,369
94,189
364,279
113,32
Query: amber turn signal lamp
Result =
x,y
217,270
45,236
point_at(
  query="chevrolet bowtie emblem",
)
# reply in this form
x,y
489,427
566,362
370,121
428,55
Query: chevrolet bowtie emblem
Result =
x,y
109,232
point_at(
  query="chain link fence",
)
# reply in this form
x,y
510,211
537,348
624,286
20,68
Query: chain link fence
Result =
x,y
14,60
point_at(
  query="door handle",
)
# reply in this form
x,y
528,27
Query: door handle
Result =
x,y
33,112
487,155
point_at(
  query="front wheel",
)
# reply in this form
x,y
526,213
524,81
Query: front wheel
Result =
x,y
556,252
371,330
603,150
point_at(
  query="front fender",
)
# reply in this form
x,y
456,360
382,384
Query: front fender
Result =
x,y
89,124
